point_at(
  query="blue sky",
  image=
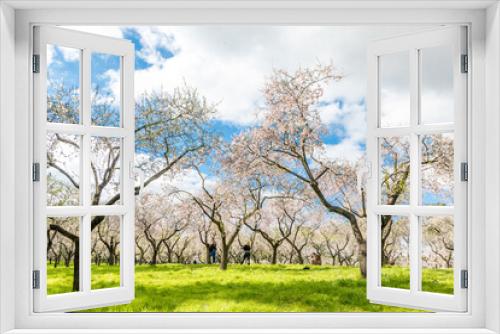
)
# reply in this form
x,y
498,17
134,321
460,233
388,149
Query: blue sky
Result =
x,y
155,49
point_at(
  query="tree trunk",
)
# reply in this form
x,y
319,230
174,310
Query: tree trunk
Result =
x,y
112,255
274,259
224,257
112,259
169,256
76,266
207,254
362,258
300,258
154,258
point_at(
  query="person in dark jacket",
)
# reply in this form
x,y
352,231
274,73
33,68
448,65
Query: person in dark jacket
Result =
x,y
246,254
212,250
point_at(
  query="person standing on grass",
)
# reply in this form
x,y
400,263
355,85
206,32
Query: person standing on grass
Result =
x,y
212,249
246,254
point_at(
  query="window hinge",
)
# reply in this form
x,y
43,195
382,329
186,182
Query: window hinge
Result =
x,y
464,171
36,63
464,279
465,64
36,172
36,279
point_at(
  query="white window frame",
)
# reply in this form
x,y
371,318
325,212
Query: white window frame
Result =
x,y
86,43
16,20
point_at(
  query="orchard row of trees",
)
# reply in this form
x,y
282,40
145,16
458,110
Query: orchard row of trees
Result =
x,y
272,186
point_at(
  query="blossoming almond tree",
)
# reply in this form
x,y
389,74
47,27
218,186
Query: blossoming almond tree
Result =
x,y
171,131
289,143
276,223
229,205
159,220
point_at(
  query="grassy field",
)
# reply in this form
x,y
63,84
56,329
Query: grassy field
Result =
x,y
254,288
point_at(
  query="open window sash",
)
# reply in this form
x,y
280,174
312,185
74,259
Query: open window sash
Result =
x,y
413,129
90,133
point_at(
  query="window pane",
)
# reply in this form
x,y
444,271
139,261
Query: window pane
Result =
x,y
394,170
394,94
105,170
437,169
436,100
395,251
106,252
63,169
437,254
63,259
106,87
63,84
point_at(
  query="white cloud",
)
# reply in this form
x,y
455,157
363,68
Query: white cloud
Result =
x,y
329,113
437,107
188,180
112,80
70,54
394,108
354,121
347,150
50,53
229,65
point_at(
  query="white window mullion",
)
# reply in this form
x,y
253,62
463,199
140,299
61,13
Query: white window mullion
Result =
x,y
418,129
373,221
85,242
84,256
127,248
414,172
77,129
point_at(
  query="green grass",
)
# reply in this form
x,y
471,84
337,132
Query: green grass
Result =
x,y
254,288
60,279
433,280
395,277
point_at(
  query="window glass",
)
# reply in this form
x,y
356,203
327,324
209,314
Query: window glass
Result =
x,y
105,175
106,243
63,84
394,90
63,254
106,89
436,88
63,169
395,251
394,170
437,160
437,254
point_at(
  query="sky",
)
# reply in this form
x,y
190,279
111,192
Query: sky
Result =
x,y
229,65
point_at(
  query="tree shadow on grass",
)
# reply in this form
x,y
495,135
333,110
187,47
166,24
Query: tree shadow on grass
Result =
x,y
342,295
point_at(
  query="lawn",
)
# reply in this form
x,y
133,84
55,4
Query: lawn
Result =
x,y
254,288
